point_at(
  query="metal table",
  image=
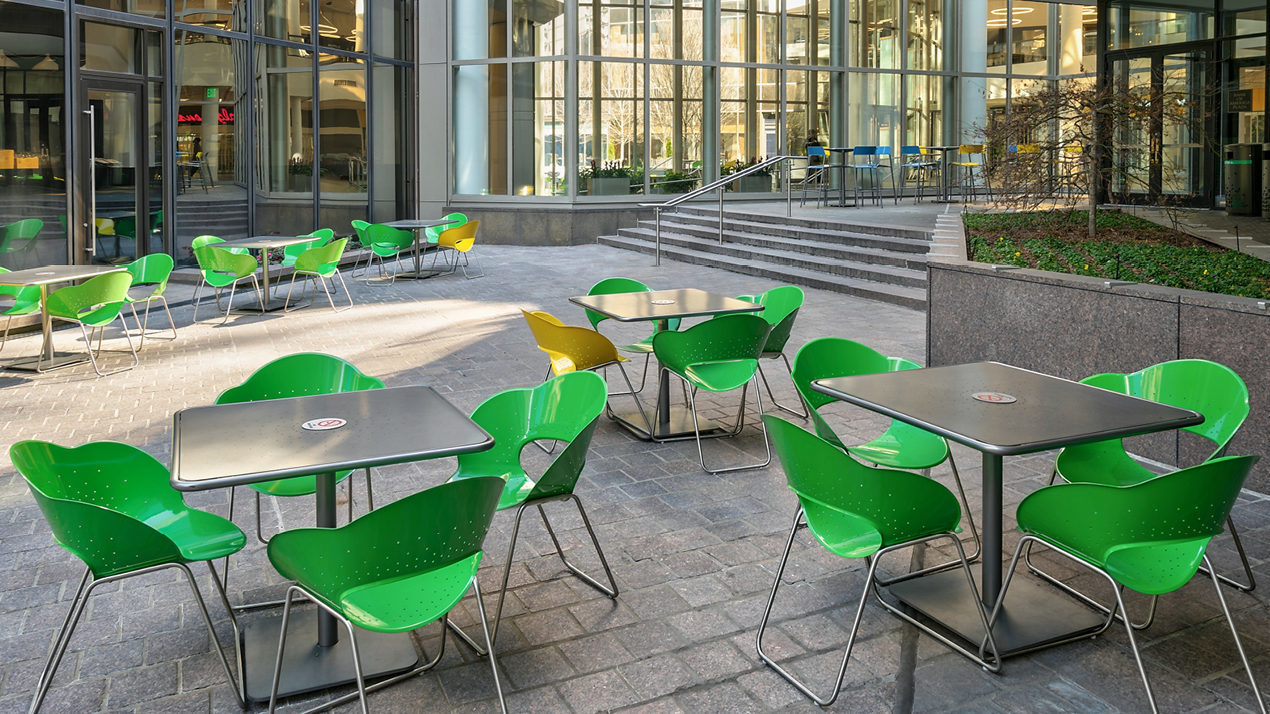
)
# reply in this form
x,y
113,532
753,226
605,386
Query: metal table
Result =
x,y
1002,410
944,195
233,444
48,275
662,306
264,244
847,152
416,225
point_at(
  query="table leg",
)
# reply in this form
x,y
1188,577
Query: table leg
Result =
x,y
328,627
47,359
46,325
264,279
418,255
990,585
663,391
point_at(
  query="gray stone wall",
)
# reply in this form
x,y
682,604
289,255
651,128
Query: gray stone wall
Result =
x,y
567,225
1074,326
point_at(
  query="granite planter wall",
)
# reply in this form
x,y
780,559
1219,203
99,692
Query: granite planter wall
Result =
x,y
570,224
1073,326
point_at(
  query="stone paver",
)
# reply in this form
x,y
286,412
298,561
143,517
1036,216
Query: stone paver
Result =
x,y
693,554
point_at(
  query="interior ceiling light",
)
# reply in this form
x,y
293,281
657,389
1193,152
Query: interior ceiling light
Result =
x,y
1022,10
6,61
1000,11
48,64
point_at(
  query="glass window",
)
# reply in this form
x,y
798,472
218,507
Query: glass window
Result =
x,y
806,108
149,8
611,138
874,107
480,129
209,136
925,34
924,114
538,29
675,29
392,33
998,35
1132,26
875,34
480,29
32,153
340,24
284,20
1029,46
221,14
391,162
342,128
284,140
110,48
538,165
674,132
1077,39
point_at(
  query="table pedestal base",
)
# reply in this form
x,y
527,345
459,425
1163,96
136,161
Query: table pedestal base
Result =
x,y
38,364
421,274
1034,615
307,667
679,427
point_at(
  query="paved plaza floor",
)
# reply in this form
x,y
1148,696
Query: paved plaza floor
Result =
x,y
693,554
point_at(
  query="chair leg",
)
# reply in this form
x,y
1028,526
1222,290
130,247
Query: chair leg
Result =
x,y
63,638
347,294
282,644
609,591
329,298
696,430
974,533
207,619
1243,557
801,412
145,324
1256,692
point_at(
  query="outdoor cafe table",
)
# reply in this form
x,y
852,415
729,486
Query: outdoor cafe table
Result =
x,y
235,444
663,306
417,225
44,277
1002,410
264,244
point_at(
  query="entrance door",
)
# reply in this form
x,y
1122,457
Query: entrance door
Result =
x,y
117,222
1161,120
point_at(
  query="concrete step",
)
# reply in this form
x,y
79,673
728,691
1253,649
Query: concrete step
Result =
x,y
910,297
729,252
899,240
800,243
819,224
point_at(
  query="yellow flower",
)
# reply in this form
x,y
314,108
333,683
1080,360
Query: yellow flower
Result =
x,y
1017,254
1205,271
1086,266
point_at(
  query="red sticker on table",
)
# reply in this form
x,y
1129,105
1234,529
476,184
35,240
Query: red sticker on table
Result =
x,y
994,397
323,424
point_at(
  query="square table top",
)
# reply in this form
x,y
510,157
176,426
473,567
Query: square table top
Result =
x,y
414,224
264,242
50,274
971,404
230,444
663,304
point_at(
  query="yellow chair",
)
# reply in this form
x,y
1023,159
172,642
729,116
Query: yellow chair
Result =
x,y
459,239
578,349
970,166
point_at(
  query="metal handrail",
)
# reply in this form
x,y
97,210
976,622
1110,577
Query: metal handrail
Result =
x,y
718,185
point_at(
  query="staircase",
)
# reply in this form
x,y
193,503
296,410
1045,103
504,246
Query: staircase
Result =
x,y
217,215
874,262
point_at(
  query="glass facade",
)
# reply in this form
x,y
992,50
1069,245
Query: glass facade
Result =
x,y
224,117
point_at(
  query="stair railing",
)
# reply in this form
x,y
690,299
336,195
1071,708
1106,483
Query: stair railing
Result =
x,y
720,185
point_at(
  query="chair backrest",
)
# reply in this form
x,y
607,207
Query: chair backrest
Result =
x,y
433,233
154,268
460,238
970,149
864,151
836,357
322,259
1210,388
394,541
912,154
564,408
26,229
94,302
384,236
224,263
359,229
726,338
817,151
1175,515
854,510
882,151
203,240
611,286
570,348
299,375
324,233
22,294
98,499
780,308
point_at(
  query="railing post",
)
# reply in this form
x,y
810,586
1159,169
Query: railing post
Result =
x,y
657,236
721,214
789,189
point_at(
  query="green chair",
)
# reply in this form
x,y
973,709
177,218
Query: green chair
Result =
x,y
392,570
901,446
610,286
433,233
321,264
111,506
1150,536
19,238
780,308
359,229
150,275
386,242
26,300
859,512
95,303
564,409
290,253
717,355
1209,388
298,375
222,267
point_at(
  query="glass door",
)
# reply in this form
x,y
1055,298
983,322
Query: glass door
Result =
x,y
117,223
1162,137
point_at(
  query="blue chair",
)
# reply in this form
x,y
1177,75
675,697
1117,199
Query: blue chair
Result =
x,y
868,162
921,165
